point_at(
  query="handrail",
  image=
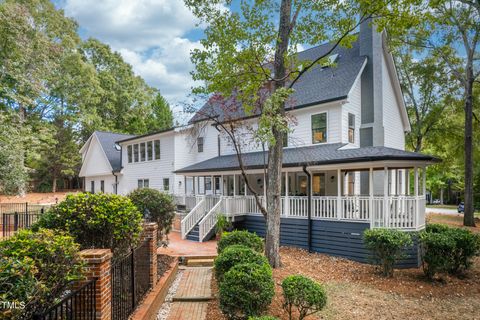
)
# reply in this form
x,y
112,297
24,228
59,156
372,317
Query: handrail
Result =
x,y
192,218
209,220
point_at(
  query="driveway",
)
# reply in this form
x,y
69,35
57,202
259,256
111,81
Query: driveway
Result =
x,y
441,210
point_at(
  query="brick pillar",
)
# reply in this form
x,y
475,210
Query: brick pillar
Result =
x,y
150,234
98,266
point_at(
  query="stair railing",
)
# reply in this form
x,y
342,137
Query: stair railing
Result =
x,y
193,217
210,220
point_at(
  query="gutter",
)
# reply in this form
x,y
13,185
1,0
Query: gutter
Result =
x,y
309,203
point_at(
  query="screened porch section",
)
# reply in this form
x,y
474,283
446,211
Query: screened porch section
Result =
x,y
390,197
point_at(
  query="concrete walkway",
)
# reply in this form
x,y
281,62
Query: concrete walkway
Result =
x,y
194,291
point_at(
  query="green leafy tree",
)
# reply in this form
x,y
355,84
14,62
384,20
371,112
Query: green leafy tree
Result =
x,y
251,53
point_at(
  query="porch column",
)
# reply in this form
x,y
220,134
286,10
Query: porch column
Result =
x,y
416,181
234,185
212,185
184,186
386,213
424,182
339,193
221,186
286,205
370,194
194,189
407,182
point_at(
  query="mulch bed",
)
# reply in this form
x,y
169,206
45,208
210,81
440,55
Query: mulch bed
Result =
x,y
163,264
357,291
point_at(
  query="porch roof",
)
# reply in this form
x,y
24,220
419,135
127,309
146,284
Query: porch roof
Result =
x,y
310,156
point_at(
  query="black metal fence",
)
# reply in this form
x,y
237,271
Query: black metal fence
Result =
x,y
77,304
12,222
130,278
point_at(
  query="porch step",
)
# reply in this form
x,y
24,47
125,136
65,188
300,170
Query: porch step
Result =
x,y
195,262
193,235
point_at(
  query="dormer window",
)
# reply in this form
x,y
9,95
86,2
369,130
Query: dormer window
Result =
x,y
319,128
351,128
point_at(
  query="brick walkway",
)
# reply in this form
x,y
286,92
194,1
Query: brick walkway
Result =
x,y
191,299
179,247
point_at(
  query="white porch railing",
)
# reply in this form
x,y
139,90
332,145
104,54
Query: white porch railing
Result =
x,y
192,218
210,219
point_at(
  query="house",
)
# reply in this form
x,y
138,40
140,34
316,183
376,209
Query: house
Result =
x,y
345,168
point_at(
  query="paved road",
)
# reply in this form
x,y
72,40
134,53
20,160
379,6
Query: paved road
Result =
x,y
441,210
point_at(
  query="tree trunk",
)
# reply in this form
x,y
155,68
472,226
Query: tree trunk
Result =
x,y
54,182
441,196
275,152
468,217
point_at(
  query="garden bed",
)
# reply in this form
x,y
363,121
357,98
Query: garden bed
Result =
x,y
356,291
453,220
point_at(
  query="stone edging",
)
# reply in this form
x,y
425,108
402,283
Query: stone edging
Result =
x,y
149,307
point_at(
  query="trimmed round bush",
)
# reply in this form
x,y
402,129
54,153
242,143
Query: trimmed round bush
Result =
x,y
97,221
245,238
35,267
246,290
436,227
155,206
467,245
387,247
437,249
304,295
234,255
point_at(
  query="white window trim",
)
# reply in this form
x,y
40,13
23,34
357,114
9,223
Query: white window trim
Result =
x,y
146,151
327,125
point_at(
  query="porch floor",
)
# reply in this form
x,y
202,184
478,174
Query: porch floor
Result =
x,y
179,247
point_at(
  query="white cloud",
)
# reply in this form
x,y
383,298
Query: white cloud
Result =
x,y
151,35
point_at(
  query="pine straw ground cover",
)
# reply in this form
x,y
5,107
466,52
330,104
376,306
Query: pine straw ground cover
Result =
x,y
357,291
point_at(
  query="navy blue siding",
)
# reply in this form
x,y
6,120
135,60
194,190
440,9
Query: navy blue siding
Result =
x,y
337,238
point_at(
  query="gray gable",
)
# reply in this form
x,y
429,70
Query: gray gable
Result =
x,y
309,155
107,141
318,85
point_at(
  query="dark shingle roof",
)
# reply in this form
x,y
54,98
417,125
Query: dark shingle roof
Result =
x,y
309,155
318,85
108,140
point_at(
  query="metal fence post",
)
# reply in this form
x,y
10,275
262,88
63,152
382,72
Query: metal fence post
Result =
x,y
15,221
133,278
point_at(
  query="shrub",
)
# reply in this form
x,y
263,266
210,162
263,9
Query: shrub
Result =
x,y
96,221
303,294
467,245
387,246
246,290
437,249
155,206
38,266
234,255
222,224
436,227
245,238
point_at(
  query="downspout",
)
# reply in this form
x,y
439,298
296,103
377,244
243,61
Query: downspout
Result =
x,y
309,203
116,182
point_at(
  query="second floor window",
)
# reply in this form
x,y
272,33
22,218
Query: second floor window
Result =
x,y
135,152
200,144
166,184
285,139
129,153
142,151
149,150
319,128
156,146
351,128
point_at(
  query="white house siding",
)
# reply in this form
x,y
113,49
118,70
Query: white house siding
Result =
x,y
155,170
95,162
354,106
392,120
109,182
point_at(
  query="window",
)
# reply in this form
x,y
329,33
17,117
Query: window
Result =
x,y
156,144
102,186
351,128
166,184
318,184
143,183
92,186
200,144
319,128
142,151
285,139
149,150
135,153
129,153
208,183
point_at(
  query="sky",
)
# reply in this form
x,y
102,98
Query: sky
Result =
x,y
154,36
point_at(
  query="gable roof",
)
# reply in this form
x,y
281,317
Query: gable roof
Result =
x,y
107,141
322,154
318,85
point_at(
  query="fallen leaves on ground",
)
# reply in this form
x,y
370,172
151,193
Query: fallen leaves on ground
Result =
x,y
358,291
